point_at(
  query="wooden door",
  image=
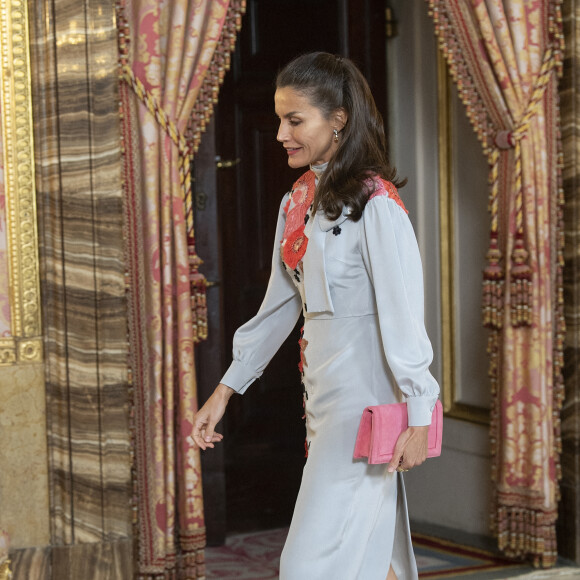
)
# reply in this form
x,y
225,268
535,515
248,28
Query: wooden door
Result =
x,y
264,429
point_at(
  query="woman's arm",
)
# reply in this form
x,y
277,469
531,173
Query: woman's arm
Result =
x,y
209,416
255,343
258,340
392,259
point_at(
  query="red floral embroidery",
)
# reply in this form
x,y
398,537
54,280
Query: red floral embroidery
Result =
x,y
300,192
295,241
302,197
294,248
303,344
383,187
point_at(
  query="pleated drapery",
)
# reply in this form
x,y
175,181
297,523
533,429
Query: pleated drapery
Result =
x,y
173,56
505,57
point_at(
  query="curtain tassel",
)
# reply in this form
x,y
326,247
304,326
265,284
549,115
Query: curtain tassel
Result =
x,y
198,294
493,279
520,286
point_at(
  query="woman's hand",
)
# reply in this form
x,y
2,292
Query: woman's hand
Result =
x,y
411,449
209,416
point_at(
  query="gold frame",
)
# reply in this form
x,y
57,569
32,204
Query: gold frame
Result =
x,y
25,343
451,406
5,572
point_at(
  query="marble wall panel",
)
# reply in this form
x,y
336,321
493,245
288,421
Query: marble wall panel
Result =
x,y
569,516
31,564
24,510
74,46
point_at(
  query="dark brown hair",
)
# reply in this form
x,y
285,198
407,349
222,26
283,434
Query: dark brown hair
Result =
x,y
331,82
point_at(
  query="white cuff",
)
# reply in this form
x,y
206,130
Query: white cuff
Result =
x,y
239,377
420,410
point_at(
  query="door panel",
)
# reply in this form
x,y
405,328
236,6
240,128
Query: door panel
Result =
x,y
264,430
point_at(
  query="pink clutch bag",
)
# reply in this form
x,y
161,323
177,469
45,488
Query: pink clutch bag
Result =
x,y
381,425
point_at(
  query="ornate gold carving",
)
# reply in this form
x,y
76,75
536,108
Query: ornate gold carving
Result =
x,y
5,573
30,350
17,135
7,351
452,407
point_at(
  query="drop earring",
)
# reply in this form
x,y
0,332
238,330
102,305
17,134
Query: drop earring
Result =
x,y
335,136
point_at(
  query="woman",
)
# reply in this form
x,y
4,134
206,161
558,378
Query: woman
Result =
x,y
346,256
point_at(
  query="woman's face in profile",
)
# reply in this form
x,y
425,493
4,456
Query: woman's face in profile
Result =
x,y
304,132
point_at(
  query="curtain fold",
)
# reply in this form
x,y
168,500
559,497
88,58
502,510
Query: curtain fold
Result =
x,y
505,57
173,56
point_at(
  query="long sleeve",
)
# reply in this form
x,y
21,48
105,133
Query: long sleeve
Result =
x,y
391,256
256,342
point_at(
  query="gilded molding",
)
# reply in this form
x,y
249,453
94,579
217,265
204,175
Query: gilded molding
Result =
x,y
7,351
17,133
452,407
5,572
446,236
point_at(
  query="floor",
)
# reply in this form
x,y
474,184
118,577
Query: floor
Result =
x,y
563,574
255,556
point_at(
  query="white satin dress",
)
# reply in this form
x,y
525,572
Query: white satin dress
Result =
x,y
359,286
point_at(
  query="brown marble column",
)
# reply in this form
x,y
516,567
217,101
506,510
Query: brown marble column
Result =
x,y
569,513
76,114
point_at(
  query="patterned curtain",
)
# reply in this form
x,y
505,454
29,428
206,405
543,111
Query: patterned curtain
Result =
x,y
173,56
505,57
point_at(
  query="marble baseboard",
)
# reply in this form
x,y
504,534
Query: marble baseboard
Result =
x,y
104,561
99,561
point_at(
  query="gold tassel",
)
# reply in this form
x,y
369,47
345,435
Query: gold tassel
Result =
x,y
493,279
521,295
198,284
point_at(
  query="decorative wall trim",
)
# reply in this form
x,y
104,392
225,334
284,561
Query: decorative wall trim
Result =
x,y
453,407
25,344
5,572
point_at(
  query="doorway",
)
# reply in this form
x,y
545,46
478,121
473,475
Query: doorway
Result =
x,y
263,452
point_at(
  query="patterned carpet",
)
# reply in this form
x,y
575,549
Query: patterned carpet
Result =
x,y
438,559
247,556
255,556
